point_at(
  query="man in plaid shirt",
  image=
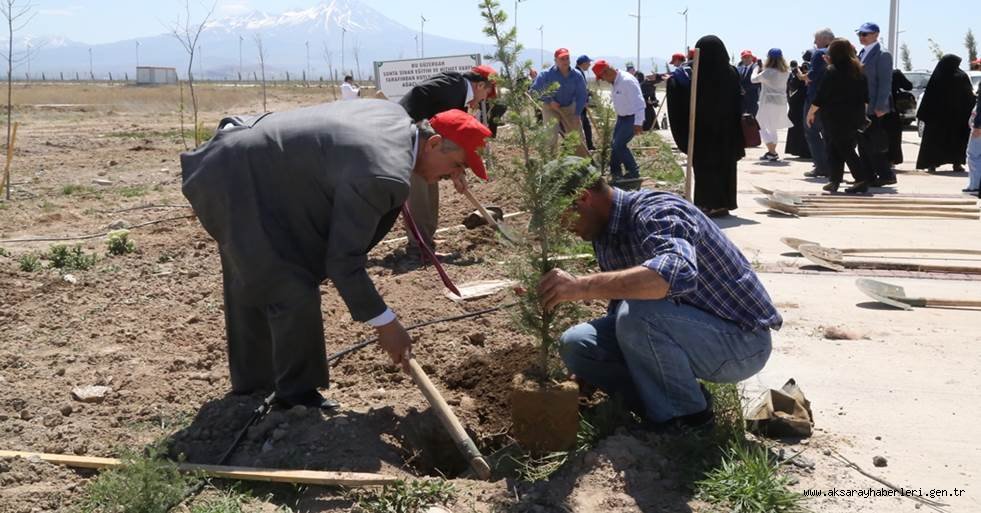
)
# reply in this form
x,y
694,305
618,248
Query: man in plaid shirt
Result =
x,y
685,305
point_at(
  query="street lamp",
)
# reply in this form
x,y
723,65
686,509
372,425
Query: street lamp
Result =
x,y
308,60
137,54
91,73
638,32
894,29
343,33
240,39
516,2
541,44
422,36
685,14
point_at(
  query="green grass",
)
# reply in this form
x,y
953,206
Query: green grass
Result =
x,y
29,263
144,484
119,243
748,481
132,191
404,496
70,259
4,253
71,189
227,501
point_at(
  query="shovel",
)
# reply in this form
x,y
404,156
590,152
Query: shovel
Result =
x,y
894,295
506,232
831,258
796,243
782,207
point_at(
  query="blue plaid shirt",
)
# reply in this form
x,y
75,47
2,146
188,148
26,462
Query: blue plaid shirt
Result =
x,y
702,266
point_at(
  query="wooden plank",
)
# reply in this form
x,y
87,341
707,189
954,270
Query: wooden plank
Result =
x,y
310,477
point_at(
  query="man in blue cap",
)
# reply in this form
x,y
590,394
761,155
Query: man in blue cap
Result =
x,y
582,66
873,144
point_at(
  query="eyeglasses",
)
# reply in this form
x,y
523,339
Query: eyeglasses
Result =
x,y
863,34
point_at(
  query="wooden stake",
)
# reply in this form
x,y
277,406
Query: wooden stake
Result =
x,y
449,420
10,156
310,477
693,104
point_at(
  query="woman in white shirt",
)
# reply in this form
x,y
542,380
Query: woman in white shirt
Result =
x,y
773,101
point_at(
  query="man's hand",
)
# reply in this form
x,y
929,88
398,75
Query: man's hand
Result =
x,y
558,287
393,338
810,118
880,113
554,106
638,129
459,182
976,133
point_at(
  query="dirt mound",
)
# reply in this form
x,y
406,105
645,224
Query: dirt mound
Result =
x,y
29,485
486,378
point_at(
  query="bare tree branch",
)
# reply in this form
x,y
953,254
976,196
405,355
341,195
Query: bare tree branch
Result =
x,y
188,33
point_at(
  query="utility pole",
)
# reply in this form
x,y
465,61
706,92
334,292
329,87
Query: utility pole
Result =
x,y
541,44
416,37
28,62
516,2
240,39
685,14
308,58
422,36
638,32
343,34
894,30
137,54
91,73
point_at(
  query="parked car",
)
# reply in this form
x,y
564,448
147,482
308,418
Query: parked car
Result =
x,y
919,80
975,79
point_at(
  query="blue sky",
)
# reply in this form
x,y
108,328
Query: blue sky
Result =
x,y
595,27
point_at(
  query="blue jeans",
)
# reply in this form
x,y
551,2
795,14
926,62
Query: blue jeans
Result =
x,y
974,163
651,352
621,156
814,135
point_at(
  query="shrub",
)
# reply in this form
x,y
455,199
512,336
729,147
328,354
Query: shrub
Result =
x,y
119,243
29,263
70,259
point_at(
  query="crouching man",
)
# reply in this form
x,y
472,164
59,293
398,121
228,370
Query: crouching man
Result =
x,y
685,305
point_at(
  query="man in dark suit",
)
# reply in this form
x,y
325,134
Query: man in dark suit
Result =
x,y
439,93
297,197
873,144
751,91
582,66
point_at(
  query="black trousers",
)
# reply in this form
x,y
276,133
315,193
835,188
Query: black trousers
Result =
x,y
587,129
873,147
277,346
840,146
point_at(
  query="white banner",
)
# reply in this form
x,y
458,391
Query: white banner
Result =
x,y
396,78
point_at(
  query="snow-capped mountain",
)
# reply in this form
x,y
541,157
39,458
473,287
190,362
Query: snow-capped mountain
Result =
x,y
228,46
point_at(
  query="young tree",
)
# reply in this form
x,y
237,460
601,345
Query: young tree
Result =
x,y
187,34
329,57
904,56
538,178
17,13
357,61
935,49
262,66
971,45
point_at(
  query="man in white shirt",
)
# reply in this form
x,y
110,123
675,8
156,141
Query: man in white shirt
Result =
x,y
628,102
349,91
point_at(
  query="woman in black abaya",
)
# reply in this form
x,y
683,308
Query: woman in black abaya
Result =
x,y
718,132
944,111
796,93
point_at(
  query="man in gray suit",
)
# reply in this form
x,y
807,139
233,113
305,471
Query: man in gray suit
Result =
x,y
297,197
873,145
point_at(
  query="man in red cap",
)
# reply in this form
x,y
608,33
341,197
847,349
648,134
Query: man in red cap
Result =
x,y
629,104
677,59
751,91
439,93
294,198
563,107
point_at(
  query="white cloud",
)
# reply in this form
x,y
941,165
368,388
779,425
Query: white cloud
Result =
x,y
234,8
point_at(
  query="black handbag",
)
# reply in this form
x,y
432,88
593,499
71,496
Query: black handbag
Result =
x,y
751,131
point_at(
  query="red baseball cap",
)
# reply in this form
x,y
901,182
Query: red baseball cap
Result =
x,y
746,53
486,72
561,52
468,133
599,67
678,56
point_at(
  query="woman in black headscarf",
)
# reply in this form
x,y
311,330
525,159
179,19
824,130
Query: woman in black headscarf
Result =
x,y
944,111
796,94
718,133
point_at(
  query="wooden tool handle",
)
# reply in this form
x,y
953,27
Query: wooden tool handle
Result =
x,y
449,421
952,302
885,213
487,215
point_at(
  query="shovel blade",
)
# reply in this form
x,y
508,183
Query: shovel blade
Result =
x,y
815,255
796,243
882,292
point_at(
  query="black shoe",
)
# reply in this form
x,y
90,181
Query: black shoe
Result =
x,y
699,422
881,182
858,188
831,186
958,168
969,190
310,399
815,174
